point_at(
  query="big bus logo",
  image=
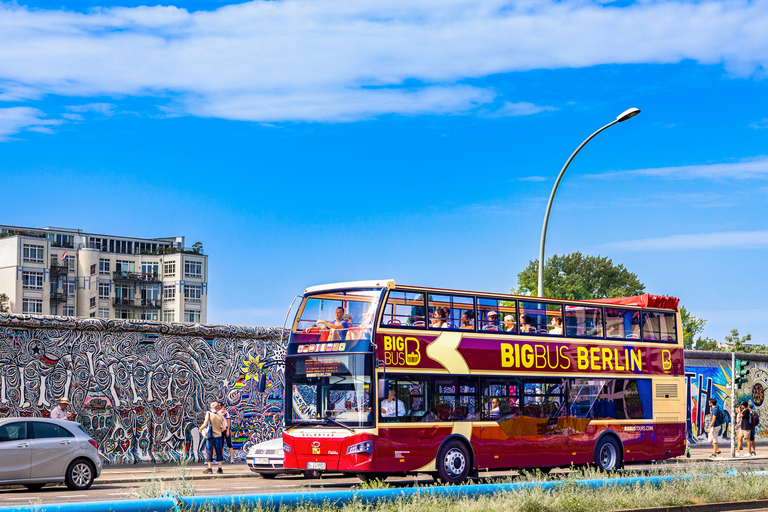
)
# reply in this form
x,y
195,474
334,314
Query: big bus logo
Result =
x,y
666,360
401,351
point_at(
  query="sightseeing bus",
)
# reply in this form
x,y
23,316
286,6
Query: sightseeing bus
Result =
x,y
384,379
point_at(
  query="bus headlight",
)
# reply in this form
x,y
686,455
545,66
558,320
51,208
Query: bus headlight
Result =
x,y
364,447
286,448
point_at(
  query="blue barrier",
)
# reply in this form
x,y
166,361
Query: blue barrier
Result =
x,y
173,502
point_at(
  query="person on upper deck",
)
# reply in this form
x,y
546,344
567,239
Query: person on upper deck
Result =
x,y
341,325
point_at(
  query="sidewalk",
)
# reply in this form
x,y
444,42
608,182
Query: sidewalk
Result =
x,y
702,451
128,473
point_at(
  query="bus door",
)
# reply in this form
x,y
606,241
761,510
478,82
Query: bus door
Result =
x,y
497,437
544,422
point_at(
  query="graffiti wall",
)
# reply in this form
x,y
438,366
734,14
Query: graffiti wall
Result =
x,y
141,388
708,375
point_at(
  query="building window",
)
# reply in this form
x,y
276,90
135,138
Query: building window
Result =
x,y
192,292
150,268
122,313
93,302
169,269
69,288
169,293
71,261
32,306
33,253
93,269
192,316
149,315
103,290
32,280
54,310
103,312
125,266
92,315
169,316
103,266
193,269
69,310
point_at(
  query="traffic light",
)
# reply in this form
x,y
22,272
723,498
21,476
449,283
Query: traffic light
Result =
x,y
740,373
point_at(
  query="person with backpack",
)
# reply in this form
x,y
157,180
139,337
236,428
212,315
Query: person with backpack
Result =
x,y
715,423
745,424
755,422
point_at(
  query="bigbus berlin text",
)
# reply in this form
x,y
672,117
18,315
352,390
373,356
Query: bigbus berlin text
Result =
x,y
558,357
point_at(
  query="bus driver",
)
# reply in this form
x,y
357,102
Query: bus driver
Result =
x,y
388,406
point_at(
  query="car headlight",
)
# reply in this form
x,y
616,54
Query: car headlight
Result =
x,y
364,447
286,448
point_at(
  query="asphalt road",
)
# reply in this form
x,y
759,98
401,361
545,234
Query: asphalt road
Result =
x,y
243,483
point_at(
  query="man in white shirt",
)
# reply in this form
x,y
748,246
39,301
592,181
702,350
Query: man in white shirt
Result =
x,y
392,404
60,411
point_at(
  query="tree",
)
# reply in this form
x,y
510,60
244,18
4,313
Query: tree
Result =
x,y
692,325
5,303
198,247
577,277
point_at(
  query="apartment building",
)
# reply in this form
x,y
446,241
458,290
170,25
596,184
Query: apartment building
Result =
x,y
58,271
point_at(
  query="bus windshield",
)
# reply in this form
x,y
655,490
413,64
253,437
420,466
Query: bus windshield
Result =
x,y
350,313
329,386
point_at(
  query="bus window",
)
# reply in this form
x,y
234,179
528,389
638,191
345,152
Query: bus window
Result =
x,y
501,398
404,309
408,396
620,399
445,312
583,321
622,323
536,316
659,326
544,398
497,315
467,410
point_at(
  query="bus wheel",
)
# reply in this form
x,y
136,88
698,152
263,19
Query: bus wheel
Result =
x,y
607,455
453,463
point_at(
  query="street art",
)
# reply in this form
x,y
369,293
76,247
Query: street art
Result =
x,y
141,388
711,378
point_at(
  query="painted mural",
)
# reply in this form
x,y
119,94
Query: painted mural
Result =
x,y
711,378
141,388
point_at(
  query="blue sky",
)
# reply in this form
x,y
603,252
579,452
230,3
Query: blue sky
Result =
x,y
313,142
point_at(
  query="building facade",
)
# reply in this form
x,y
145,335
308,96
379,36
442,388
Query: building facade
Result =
x,y
66,272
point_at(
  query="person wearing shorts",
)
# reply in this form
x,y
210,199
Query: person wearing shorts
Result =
x,y
713,432
745,426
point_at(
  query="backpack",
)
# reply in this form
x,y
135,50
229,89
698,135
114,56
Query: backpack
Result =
x,y
755,420
719,416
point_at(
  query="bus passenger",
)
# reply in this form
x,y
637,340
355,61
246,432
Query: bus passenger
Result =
x,y
466,320
525,324
391,405
340,326
557,325
492,323
509,323
437,320
495,410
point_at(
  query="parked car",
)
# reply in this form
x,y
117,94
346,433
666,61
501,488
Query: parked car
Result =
x,y
266,459
37,451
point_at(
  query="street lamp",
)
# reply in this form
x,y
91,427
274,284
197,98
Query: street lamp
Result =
x,y
627,114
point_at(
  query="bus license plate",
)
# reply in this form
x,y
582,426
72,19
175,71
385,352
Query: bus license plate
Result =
x,y
262,460
315,465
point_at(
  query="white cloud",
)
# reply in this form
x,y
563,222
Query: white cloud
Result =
x,y
725,240
523,108
106,109
532,178
16,119
315,60
760,125
751,168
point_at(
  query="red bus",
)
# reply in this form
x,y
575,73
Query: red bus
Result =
x,y
384,379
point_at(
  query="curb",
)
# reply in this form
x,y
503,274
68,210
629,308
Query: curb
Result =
x,y
707,507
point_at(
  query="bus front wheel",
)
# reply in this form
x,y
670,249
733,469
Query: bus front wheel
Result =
x,y
607,454
453,463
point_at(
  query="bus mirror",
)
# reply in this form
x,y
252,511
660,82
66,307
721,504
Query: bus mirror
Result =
x,y
383,389
262,382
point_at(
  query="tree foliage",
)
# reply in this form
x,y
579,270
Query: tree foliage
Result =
x,y
692,325
577,277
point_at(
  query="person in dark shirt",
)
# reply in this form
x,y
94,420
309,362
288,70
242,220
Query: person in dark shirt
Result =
x,y
745,425
715,422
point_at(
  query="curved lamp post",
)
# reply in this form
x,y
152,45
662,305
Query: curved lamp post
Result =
x,y
627,114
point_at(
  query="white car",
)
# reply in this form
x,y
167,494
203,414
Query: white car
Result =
x,y
266,459
37,451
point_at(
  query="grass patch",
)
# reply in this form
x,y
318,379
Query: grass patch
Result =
x,y
181,484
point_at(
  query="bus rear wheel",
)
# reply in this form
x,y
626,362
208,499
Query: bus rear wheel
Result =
x,y
607,454
453,463
369,477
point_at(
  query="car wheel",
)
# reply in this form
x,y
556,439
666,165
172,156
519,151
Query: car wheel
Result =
x,y
607,454
79,475
453,463
312,473
268,476
34,487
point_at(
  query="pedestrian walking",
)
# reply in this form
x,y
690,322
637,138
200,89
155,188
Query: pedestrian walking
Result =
x,y
213,441
745,425
715,423
226,435
755,422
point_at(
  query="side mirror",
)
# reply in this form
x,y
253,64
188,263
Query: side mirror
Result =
x,y
383,389
262,382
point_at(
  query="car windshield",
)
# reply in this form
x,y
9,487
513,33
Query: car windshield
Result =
x,y
325,389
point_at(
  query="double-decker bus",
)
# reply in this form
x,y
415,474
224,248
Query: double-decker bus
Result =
x,y
384,379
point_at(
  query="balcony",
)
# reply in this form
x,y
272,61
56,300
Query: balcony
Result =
x,y
57,298
137,303
59,270
133,276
